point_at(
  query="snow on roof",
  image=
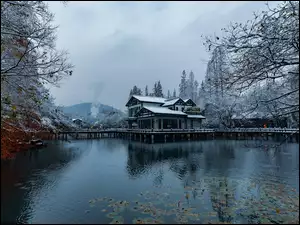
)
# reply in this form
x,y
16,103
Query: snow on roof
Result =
x,y
162,110
185,100
196,117
149,99
171,102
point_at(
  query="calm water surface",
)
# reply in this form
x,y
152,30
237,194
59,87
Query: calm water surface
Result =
x,y
114,181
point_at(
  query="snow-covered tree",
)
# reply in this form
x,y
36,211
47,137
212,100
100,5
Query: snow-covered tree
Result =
x,y
195,91
155,89
174,93
146,90
190,86
219,103
169,94
183,86
135,91
29,59
159,92
265,48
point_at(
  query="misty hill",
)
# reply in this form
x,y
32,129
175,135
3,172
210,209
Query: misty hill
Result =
x,y
93,112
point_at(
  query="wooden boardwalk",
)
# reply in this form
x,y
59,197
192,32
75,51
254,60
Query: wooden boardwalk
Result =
x,y
166,135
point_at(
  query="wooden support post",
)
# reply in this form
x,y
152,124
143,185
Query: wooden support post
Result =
x,y
173,137
145,138
152,138
165,138
140,137
188,137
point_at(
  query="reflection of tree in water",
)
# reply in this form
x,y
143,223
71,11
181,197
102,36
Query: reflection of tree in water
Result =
x,y
218,162
219,157
158,180
142,157
29,171
222,197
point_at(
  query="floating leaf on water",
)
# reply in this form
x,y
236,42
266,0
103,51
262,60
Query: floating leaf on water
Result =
x,y
181,220
112,214
135,208
146,211
103,210
138,221
117,220
92,201
193,216
212,214
86,211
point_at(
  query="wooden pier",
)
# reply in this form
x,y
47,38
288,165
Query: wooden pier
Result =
x,y
172,135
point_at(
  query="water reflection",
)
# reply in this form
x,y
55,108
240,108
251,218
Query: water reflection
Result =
x,y
23,177
219,179
196,164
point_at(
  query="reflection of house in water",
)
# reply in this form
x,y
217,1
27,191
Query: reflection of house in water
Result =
x,y
141,157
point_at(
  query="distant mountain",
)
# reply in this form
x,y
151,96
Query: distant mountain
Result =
x,y
92,113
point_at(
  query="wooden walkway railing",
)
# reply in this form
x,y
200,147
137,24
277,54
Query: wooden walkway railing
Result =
x,y
233,130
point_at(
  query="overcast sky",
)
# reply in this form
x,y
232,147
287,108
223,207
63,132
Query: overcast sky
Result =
x,y
115,45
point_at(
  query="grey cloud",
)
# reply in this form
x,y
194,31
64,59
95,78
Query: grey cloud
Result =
x,y
117,45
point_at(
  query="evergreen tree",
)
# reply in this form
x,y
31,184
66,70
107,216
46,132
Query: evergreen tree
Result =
x,y
190,86
183,86
155,89
196,84
159,92
139,92
146,91
169,94
174,93
135,91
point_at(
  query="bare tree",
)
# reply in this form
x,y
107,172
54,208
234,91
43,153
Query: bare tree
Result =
x,y
263,49
29,58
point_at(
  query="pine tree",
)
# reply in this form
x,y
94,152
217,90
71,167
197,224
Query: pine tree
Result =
x,y
146,91
155,90
159,90
139,92
135,91
183,86
169,94
196,84
174,93
190,86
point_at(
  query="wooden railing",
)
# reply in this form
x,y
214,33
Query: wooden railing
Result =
x,y
203,130
260,130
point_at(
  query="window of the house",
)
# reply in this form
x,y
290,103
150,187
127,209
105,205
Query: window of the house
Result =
x,y
176,108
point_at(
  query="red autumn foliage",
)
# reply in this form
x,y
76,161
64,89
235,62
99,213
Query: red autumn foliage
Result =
x,y
15,139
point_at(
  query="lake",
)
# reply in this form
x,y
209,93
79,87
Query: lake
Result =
x,y
117,181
